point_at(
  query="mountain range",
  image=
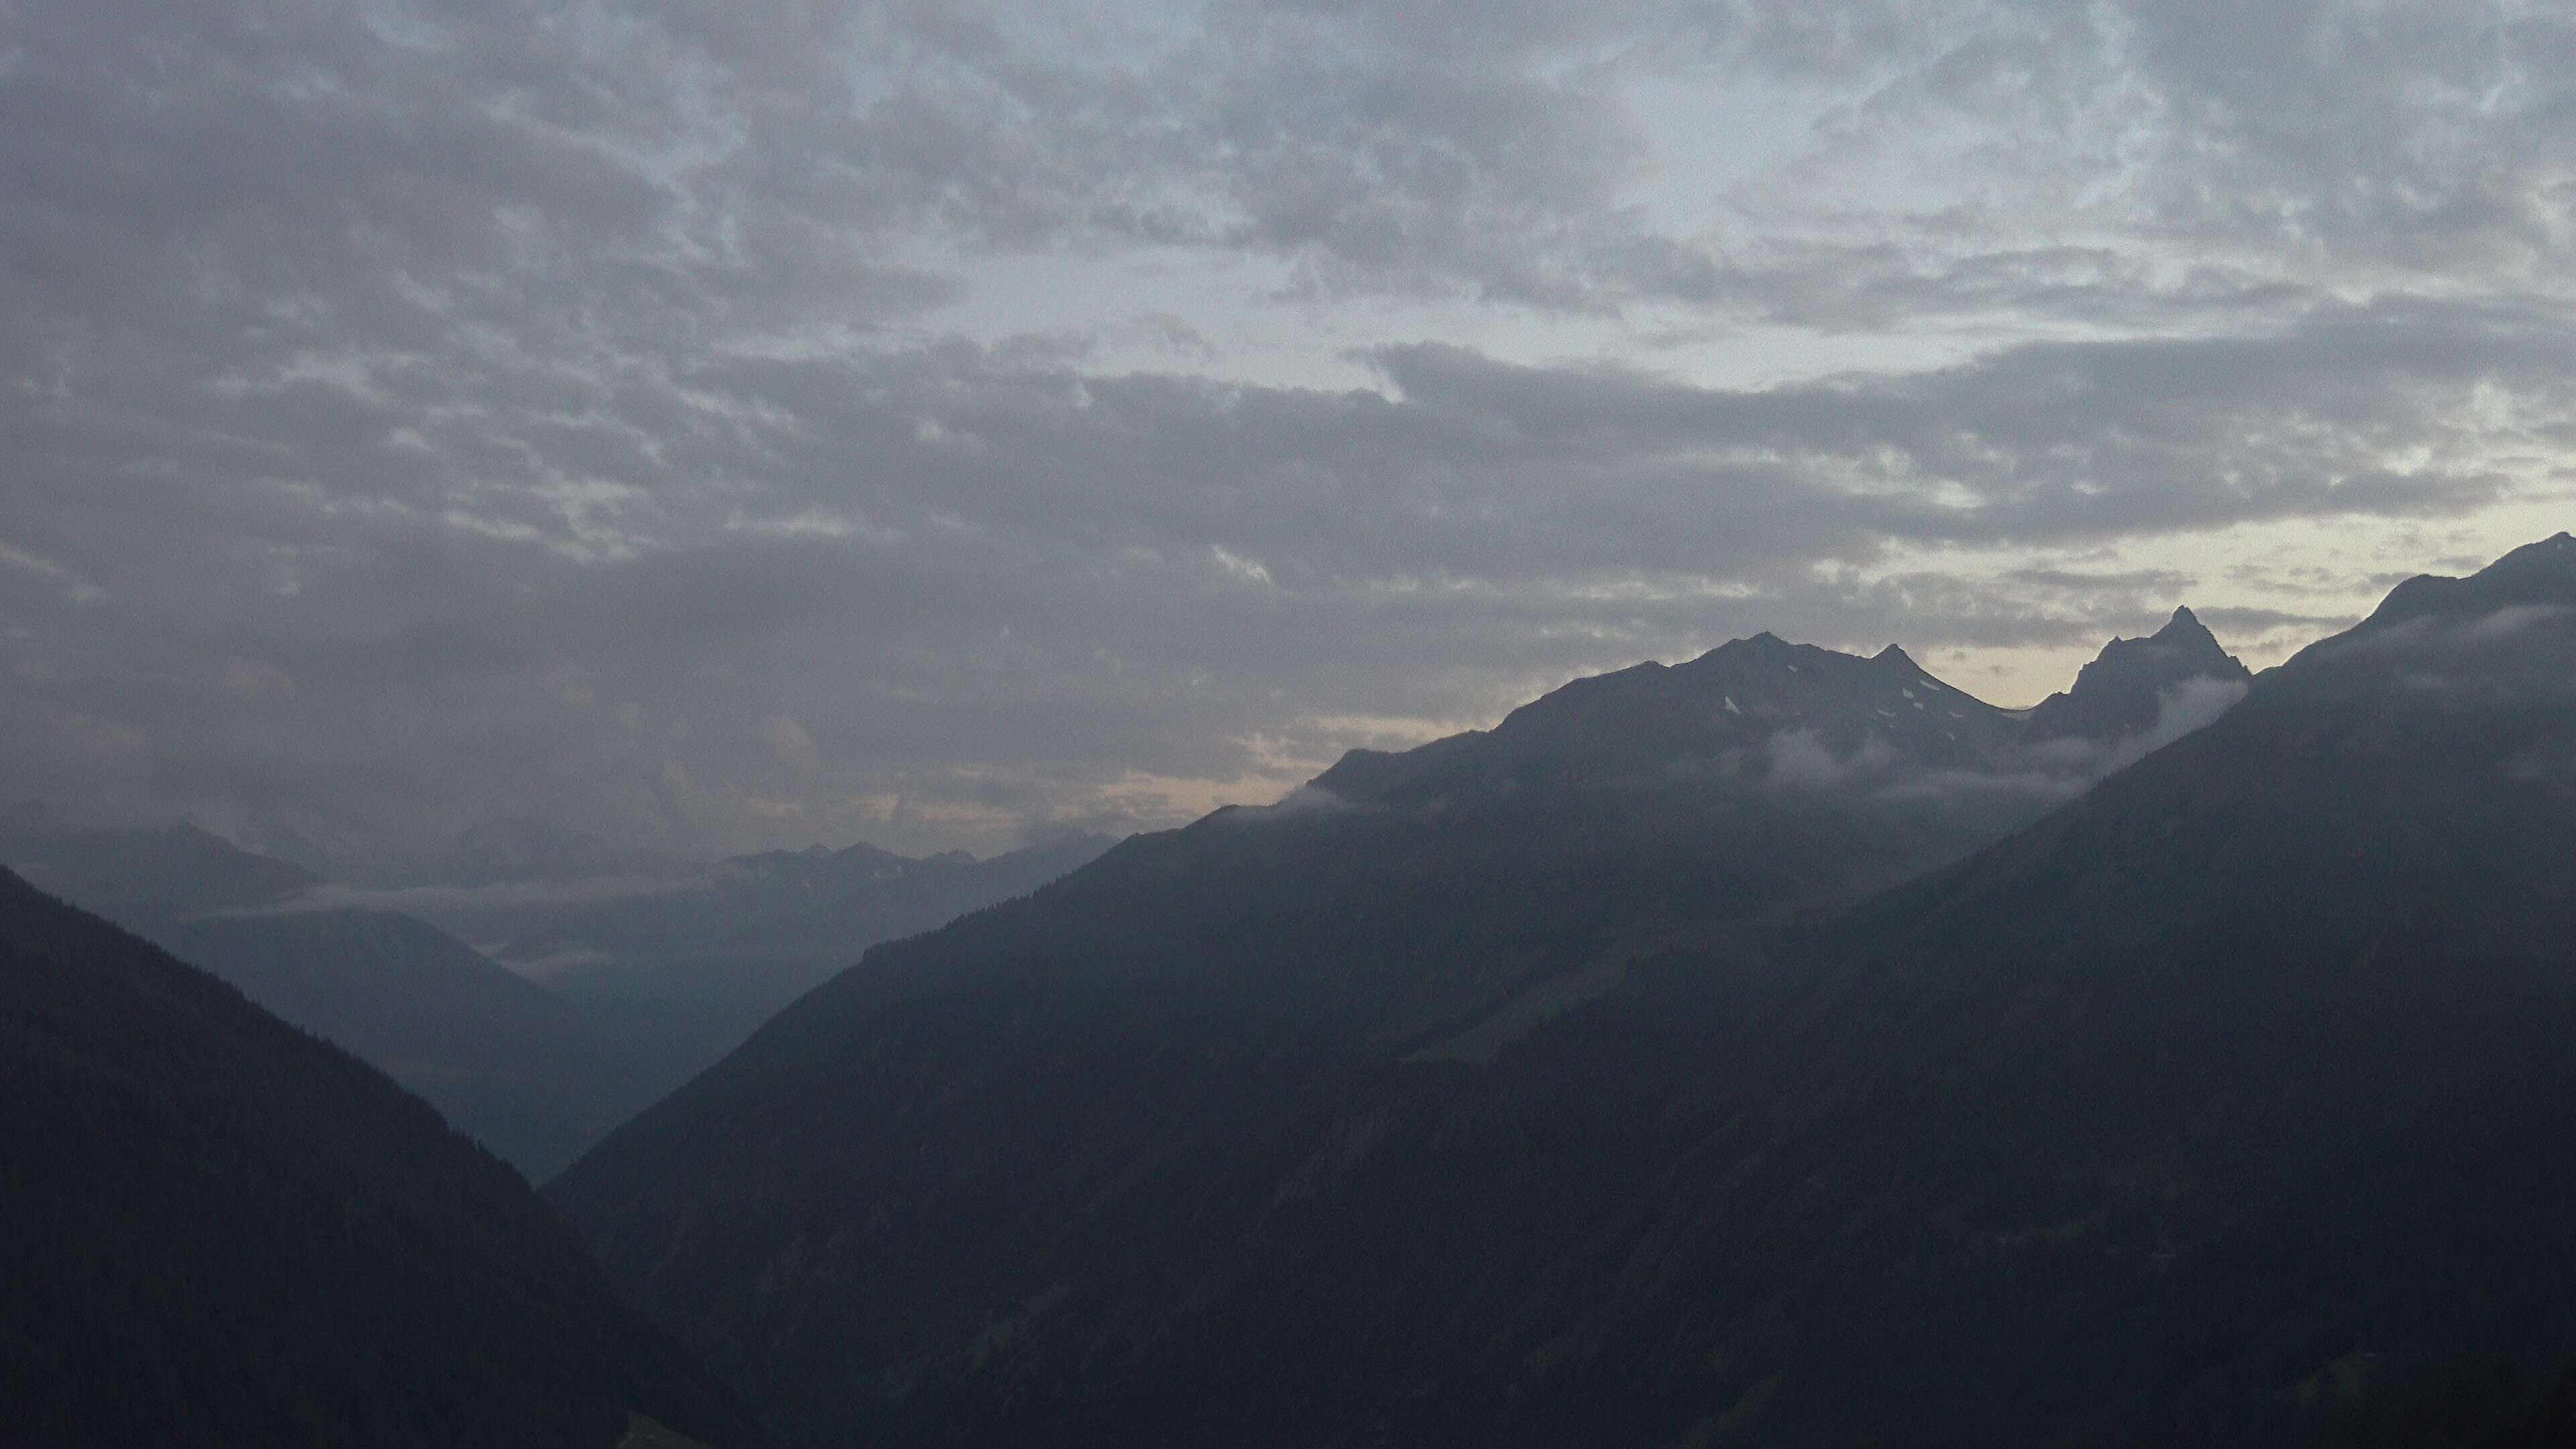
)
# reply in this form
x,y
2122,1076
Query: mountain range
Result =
x,y
1359,1118
1778,1048
679,967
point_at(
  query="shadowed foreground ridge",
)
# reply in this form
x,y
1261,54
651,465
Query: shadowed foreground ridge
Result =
x,y
218,1230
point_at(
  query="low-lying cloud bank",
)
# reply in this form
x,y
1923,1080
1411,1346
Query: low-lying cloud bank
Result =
x,y
2047,771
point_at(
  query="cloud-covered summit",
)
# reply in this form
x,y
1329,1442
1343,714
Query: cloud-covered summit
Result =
x,y
715,428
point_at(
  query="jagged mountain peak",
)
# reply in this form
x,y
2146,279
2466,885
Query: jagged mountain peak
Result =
x,y
1738,699
2129,686
1648,720
2185,628
2182,630
1752,684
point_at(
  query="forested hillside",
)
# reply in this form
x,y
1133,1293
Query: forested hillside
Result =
x,y
219,1230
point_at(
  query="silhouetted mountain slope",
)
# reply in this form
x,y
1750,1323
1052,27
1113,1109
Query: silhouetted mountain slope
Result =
x,y
217,1230
501,1057
1036,1176
2233,1084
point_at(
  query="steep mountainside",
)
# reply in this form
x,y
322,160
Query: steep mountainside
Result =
x,y
217,1230
1022,1178
2234,1086
502,1058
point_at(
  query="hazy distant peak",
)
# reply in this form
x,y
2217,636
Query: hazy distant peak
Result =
x,y
165,874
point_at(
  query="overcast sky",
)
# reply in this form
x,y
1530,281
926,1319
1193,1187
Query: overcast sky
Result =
x,y
730,425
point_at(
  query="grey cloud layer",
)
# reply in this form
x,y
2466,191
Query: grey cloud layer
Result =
x,y
416,413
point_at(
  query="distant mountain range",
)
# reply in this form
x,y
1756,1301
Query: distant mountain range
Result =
x,y
680,968
672,970
1334,1121
603,977
218,1230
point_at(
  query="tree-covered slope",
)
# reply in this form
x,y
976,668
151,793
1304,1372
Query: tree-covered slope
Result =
x,y
501,1057
218,1230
